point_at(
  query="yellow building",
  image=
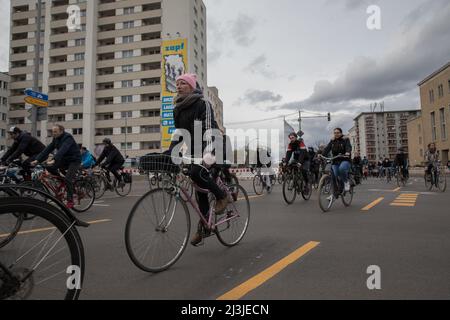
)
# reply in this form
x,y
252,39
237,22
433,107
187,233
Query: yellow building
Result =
x,y
433,124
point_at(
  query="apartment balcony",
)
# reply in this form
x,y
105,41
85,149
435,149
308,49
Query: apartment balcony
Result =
x,y
129,17
129,46
129,32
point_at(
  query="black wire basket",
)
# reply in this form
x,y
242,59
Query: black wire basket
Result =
x,y
159,163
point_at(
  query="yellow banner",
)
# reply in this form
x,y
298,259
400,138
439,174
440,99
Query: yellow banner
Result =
x,y
36,102
174,64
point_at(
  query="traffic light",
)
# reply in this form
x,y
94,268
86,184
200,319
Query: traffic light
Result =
x,y
329,117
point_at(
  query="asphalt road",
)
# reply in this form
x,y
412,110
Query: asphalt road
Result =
x,y
289,252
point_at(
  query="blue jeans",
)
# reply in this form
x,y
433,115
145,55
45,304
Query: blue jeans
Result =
x,y
341,170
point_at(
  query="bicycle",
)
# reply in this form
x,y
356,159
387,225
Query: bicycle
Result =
x,y
262,182
295,184
12,173
45,257
402,180
102,182
83,190
159,223
328,184
436,178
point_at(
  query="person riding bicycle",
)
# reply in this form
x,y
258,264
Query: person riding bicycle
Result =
x,y
340,146
357,167
432,157
67,158
387,165
87,159
114,161
193,112
401,161
25,144
297,153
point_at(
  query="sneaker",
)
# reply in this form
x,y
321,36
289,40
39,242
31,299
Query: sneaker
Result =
x,y
70,204
196,239
221,205
347,186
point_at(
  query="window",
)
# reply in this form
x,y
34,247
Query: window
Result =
x,y
448,86
441,91
127,83
79,56
127,99
129,10
127,114
78,71
127,39
150,129
77,116
78,86
127,68
128,24
77,131
126,146
127,130
431,96
3,116
433,126
77,101
443,124
127,54
80,42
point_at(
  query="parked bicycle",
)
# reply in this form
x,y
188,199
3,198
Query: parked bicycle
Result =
x,y
158,227
330,188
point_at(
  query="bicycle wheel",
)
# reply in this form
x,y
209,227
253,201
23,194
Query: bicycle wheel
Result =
x,y
83,195
45,260
326,197
258,185
9,227
280,179
232,226
428,181
347,197
99,184
442,181
289,189
124,189
157,230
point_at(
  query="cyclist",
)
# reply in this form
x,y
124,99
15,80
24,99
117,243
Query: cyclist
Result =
x,y
67,158
25,144
340,145
387,164
431,157
191,111
87,159
357,167
401,161
297,153
114,160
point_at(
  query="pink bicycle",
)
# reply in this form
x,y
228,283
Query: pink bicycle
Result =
x,y
158,227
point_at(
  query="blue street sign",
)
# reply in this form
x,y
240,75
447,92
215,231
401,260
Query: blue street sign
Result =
x,y
168,123
166,107
36,95
167,115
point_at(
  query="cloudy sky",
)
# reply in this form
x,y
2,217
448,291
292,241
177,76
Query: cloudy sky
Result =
x,y
270,58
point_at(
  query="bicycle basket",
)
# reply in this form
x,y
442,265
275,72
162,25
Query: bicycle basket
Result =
x,y
158,163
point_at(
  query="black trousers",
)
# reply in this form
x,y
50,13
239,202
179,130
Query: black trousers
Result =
x,y
204,180
114,168
69,176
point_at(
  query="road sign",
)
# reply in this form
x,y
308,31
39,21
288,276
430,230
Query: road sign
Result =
x,y
36,95
36,102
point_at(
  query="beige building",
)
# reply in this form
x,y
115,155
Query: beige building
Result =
x,y
4,96
379,135
103,77
416,141
217,104
435,104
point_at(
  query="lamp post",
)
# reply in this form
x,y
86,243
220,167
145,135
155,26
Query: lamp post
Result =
x,y
37,59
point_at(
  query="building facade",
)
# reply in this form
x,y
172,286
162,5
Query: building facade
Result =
x,y
217,104
379,135
416,141
4,96
435,105
103,75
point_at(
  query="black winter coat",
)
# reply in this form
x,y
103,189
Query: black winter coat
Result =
x,y
68,150
23,144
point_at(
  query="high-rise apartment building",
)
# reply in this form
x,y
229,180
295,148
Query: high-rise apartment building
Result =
x,y
103,75
4,96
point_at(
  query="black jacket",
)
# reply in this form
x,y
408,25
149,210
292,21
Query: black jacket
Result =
x,y
112,155
23,144
185,117
68,150
337,147
298,148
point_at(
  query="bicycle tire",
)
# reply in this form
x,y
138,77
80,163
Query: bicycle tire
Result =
x,y
57,219
307,196
289,182
220,233
83,189
442,177
325,192
129,232
258,183
122,191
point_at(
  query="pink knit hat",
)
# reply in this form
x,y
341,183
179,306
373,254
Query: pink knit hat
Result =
x,y
190,78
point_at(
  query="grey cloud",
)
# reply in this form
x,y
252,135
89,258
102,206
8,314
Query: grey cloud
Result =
x,y
242,30
259,96
422,51
259,66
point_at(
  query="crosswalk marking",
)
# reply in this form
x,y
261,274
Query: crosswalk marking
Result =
x,y
406,200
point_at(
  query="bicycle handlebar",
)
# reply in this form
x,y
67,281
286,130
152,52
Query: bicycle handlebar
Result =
x,y
334,158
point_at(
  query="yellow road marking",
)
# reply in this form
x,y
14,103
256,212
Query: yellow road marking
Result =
x,y
49,228
372,204
251,197
396,189
268,273
394,204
